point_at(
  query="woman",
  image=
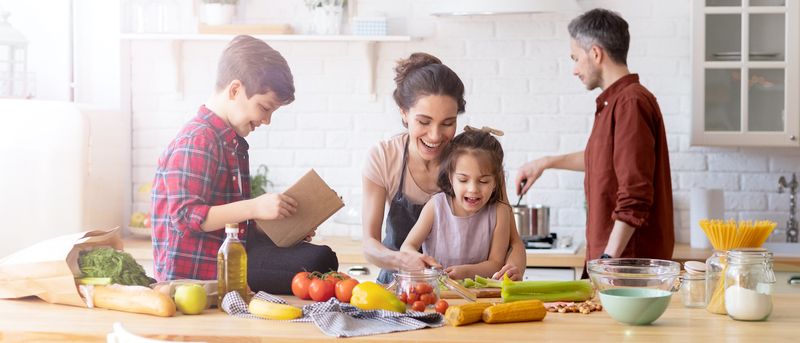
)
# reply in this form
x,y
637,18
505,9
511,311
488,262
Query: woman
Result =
x,y
401,172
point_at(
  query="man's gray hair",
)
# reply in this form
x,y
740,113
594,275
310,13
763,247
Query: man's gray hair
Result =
x,y
604,28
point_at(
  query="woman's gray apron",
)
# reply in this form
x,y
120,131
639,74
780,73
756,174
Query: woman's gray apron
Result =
x,y
402,216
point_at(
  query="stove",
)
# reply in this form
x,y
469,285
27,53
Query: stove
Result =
x,y
540,242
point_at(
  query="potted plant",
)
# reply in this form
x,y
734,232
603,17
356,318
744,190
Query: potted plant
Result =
x,y
259,184
218,12
327,16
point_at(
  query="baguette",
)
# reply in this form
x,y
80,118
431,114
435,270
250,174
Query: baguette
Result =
x,y
136,299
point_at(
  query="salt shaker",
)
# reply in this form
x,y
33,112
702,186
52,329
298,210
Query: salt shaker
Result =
x,y
749,283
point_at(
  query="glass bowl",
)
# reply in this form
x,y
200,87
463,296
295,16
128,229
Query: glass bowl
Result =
x,y
634,272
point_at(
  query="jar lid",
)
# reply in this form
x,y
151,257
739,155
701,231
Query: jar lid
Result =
x,y
694,267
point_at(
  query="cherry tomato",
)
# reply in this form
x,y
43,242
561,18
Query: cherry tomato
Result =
x,y
428,298
418,306
412,297
404,297
441,306
321,290
423,288
344,289
300,283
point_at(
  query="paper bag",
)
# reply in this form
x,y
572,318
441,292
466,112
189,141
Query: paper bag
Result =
x,y
316,202
48,269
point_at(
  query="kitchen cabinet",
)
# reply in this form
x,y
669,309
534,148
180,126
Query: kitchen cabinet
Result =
x,y
745,73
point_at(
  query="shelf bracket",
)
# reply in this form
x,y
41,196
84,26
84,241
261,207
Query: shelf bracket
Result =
x,y
369,53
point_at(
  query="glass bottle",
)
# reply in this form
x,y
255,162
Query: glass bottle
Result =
x,y
715,296
231,265
749,282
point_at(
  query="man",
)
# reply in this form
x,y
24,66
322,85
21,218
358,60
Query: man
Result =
x,y
627,181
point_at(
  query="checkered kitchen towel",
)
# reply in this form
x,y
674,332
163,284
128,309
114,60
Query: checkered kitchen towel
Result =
x,y
342,320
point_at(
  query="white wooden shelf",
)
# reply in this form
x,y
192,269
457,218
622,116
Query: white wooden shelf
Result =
x,y
367,43
289,38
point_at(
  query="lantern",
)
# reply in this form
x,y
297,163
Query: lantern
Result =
x,y
13,60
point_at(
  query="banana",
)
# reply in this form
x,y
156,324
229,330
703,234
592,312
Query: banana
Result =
x,y
271,310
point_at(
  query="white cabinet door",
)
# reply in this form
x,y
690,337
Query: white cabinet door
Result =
x,y
745,73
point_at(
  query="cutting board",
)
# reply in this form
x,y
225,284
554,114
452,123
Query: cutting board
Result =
x,y
479,292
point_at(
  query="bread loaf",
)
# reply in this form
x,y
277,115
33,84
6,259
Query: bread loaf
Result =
x,y
137,299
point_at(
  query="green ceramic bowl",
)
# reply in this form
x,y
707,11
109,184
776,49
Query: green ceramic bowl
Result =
x,y
635,306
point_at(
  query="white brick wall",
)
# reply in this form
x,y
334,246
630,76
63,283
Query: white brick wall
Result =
x,y
518,77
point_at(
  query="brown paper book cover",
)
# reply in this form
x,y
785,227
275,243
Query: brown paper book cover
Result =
x,y
316,202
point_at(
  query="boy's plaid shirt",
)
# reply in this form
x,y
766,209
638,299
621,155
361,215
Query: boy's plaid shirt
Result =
x,y
200,168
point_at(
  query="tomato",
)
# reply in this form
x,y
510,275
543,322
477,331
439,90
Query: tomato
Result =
x,y
300,283
441,306
321,290
344,289
403,297
423,288
336,276
428,298
412,297
418,306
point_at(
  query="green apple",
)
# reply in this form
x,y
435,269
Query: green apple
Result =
x,y
190,298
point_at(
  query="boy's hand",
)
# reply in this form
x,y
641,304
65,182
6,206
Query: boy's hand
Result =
x,y
274,206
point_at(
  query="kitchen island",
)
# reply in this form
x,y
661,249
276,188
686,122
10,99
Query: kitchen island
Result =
x,y
32,319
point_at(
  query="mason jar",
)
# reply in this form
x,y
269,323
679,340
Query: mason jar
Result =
x,y
714,295
417,285
749,283
693,290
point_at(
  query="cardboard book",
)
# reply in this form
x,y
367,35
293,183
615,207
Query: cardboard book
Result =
x,y
316,202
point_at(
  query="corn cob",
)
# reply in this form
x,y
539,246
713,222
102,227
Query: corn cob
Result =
x,y
519,311
271,310
465,314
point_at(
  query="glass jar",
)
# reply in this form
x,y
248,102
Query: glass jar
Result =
x,y
418,285
749,282
714,279
693,290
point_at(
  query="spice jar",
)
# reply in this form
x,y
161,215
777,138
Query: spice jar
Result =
x,y
749,282
693,284
715,297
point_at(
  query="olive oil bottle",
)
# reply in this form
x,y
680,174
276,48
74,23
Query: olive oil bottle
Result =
x,y
232,265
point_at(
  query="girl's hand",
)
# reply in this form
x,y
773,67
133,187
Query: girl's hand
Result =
x,y
457,272
273,206
510,269
416,261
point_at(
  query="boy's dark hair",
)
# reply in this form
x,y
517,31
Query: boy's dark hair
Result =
x,y
259,67
604,28
483,146
423,74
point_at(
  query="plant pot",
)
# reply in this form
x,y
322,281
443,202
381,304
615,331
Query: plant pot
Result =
x,y
327,20
218,14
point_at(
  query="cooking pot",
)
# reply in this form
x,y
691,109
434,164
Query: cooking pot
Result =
x,y
532,220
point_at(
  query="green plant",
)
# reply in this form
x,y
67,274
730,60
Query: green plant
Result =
x,y
223,2
311,4
259,183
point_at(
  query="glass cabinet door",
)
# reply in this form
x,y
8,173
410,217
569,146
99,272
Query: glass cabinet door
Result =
x,y
745,72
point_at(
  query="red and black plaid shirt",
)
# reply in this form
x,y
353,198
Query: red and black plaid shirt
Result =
x,y
200,168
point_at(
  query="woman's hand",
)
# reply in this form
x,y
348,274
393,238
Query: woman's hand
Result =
x,y
511,270
273,206
415,261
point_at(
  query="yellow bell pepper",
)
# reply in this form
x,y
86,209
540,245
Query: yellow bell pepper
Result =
x,y
372,296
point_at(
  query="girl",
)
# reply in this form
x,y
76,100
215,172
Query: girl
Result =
x,y
465,228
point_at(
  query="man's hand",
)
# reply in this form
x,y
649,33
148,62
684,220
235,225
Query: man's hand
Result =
x,y
528,174
273,206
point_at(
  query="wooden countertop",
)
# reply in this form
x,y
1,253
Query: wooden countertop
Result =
x,y
350,251
32,319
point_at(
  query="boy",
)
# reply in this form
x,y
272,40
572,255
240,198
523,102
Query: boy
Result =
x,y
203,182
